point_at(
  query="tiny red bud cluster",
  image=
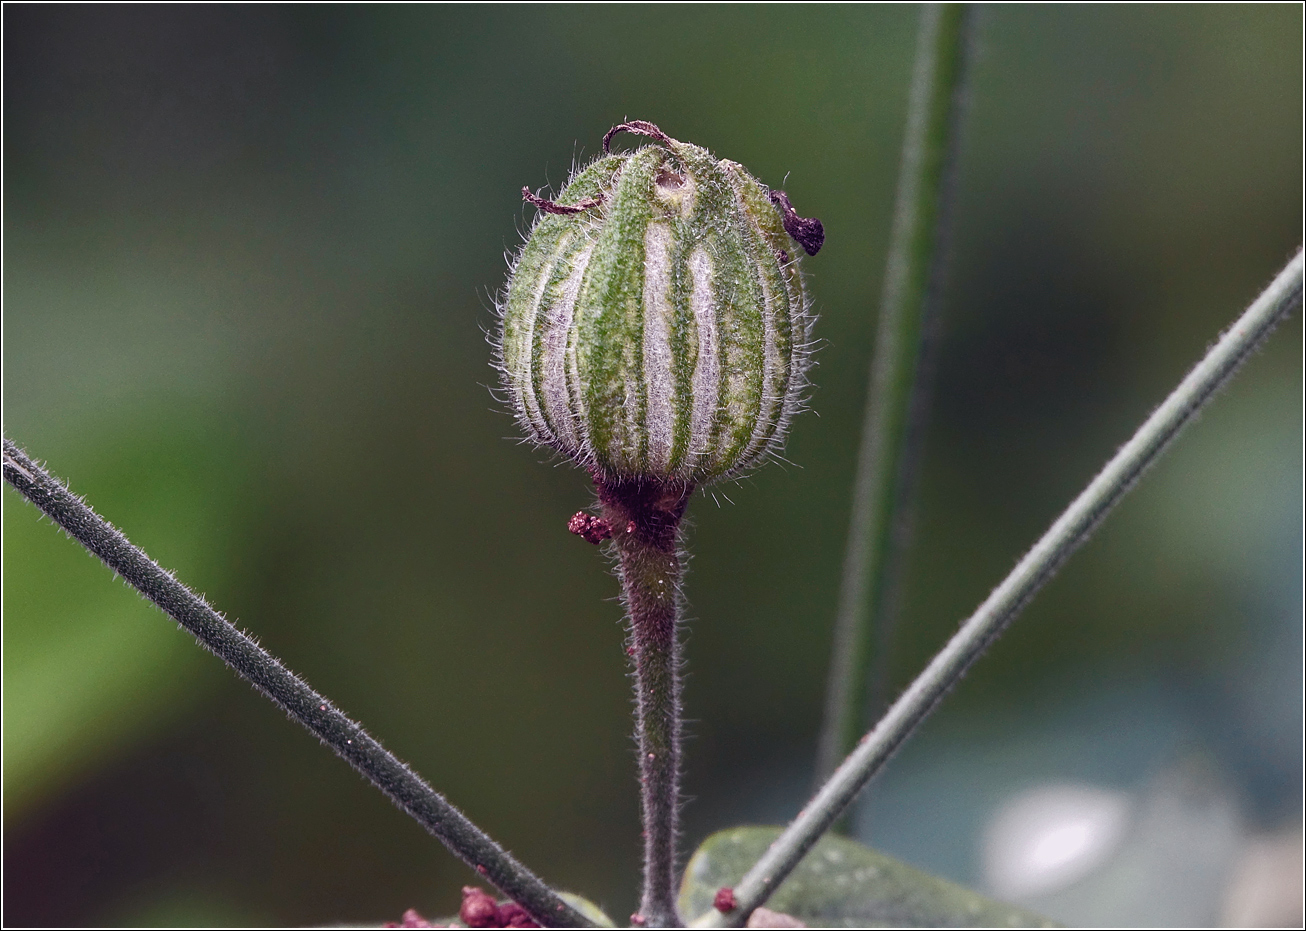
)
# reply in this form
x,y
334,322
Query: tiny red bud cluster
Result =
x,y
480,910
589,528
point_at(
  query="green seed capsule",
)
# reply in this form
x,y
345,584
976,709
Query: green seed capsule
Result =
x,y
655,323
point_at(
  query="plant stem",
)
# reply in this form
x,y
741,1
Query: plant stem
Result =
x,y
644,516
1071,529
347,738
897,396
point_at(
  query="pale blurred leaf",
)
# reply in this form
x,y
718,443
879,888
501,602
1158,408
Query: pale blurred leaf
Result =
x,y
842,883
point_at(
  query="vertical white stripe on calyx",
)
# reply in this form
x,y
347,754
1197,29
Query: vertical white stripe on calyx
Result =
x,y
771,406
707,371
659,377
525,376
557,325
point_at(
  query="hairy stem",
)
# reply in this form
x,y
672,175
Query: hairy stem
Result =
x,y
644,516
897,396
347,738
1072,528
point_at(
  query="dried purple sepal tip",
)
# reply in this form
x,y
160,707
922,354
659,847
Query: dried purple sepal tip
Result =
x,y
724,900
806,231
549,206
588,527
639,128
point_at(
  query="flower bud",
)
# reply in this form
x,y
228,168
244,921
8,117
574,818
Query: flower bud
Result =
x,y
655,323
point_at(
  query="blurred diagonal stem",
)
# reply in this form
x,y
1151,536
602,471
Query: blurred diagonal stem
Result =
x,y
348,739
898,394
1072,528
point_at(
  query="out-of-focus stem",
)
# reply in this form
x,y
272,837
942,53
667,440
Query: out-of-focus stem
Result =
x,y
897,397
1071,529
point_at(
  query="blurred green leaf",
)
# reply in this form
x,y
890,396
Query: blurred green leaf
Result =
x,y
842,883
588,909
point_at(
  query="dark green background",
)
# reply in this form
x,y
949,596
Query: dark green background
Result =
x,y
250,255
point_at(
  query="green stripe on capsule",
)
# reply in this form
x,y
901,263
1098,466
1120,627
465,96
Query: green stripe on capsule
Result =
x,y
764,238
570,249
684,343
720,231
609,322
595,181
740,328
537,261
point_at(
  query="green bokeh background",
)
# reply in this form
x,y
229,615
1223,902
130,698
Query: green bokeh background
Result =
x,y
250,256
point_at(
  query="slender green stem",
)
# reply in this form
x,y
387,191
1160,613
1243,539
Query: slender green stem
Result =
x,y
897,396
1071,529
356,746
644,519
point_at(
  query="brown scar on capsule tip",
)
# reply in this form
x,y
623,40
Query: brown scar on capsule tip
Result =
x,y
549,206
639,128
724,901
806,231
590,528
668,179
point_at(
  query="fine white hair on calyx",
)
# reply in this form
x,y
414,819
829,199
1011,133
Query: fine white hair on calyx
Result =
x,y
799,362
707,372
557,327
659,378
522,375
765,430
718,408
516,372
803,320
500,362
